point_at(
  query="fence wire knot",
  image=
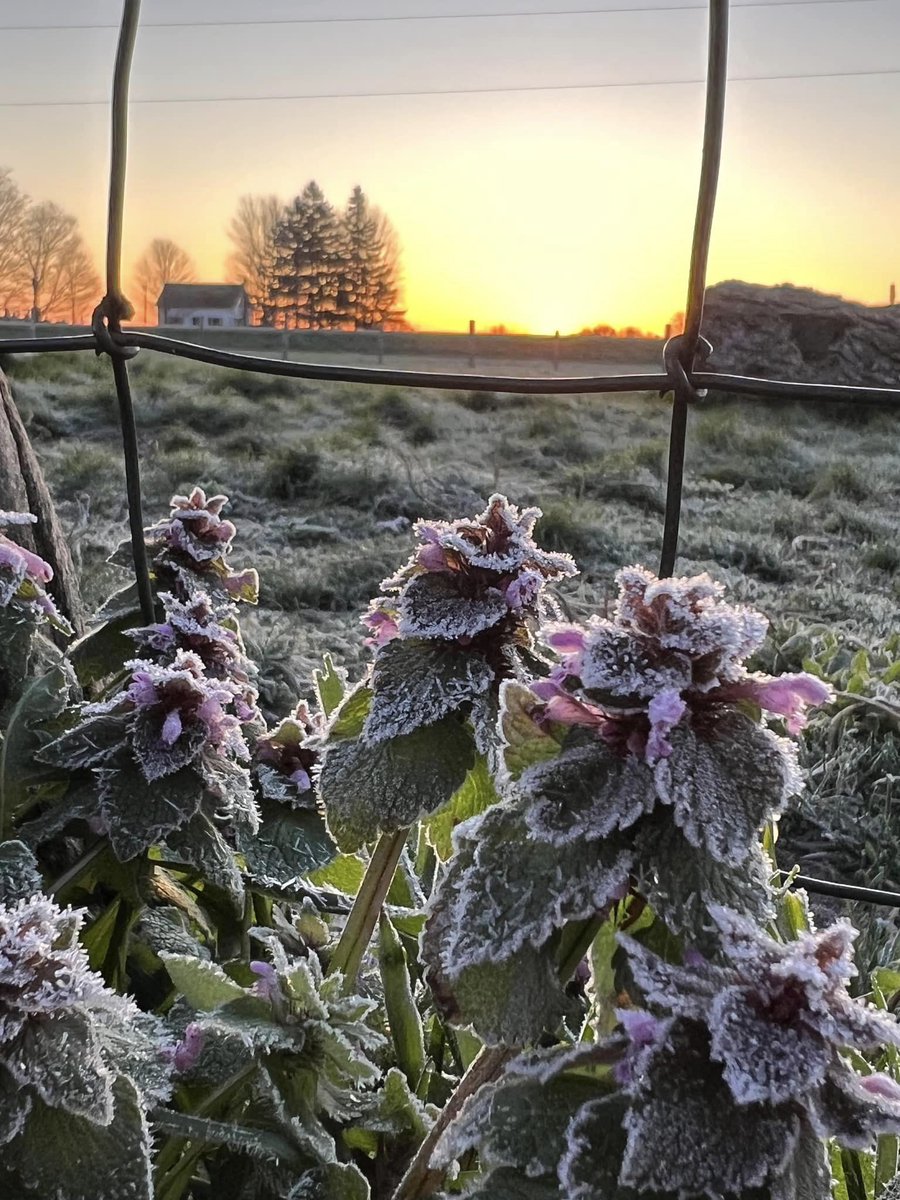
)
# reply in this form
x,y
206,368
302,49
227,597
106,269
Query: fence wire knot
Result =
x,y
677,369
105,321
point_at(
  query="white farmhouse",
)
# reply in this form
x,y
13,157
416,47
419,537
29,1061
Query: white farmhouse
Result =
x,y
203,305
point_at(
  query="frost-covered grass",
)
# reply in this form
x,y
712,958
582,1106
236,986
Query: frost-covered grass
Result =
x,y
794,508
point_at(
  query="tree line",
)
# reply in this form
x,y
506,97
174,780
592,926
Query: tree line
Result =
x,y
46,271
304,265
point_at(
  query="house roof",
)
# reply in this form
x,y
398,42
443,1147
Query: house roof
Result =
x,y
201,295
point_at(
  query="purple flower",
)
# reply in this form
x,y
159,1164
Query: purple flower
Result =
x,y
469,576
187,1051
23,575
788,695
665,710
267,985
381,619
642,1030
290,750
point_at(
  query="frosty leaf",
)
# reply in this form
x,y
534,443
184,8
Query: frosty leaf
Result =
x,y
807,1175
418,682
60,1059
15,1105
476,794
351,716
203,984
331,1181
230,784
395,1110
595,1143
507,1184
138,814
137,1048
367,790
526,742
723,780
511,890
681,881
157,756
435,606
518,1122
331,685
89,744
507,1003
289,843
19,874
587,792
200,844
65,1157
686,1134
844,1108
258,1143
762,1058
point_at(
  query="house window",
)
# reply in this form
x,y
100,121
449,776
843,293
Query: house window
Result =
x,y
214,321
197,321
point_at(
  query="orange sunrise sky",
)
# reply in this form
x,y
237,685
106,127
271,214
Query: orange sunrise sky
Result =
x,y
542,209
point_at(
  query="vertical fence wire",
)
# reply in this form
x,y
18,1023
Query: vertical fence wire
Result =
x,y
114,308
681,353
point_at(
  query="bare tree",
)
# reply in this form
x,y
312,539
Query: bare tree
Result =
x,y
252,233
13,206
47,231
79,284
162,262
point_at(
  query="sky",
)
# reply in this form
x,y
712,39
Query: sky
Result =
x,y
542,209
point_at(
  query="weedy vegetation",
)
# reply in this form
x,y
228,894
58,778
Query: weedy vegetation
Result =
x,y
426,845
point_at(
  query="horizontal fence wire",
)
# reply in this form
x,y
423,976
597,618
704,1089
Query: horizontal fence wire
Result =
x,y
683,355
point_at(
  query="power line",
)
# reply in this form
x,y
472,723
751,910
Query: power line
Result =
x,y
473,91
422,17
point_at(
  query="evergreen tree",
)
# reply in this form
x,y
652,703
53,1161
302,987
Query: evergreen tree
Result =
x,y
307,266
370,287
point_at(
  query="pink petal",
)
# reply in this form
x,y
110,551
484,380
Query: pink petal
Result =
x,y
172,727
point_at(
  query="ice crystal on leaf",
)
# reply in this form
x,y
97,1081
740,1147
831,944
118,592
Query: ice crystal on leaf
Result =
x,y
73,1055
23,577
199,627
673,650
775,1018
190,549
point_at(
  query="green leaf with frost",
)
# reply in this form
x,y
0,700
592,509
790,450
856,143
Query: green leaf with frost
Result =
x,y
476,794
510,890
289,843
63,1157
19,874
200,845
519,1122
23,779
416,682
90,743
258,1143
59,1058
139,814
203,984
396,1111
508,1184
330,684
368,790
345,872
526,743
351,716
331,1181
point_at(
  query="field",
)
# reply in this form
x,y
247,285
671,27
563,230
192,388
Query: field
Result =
x,y
794,509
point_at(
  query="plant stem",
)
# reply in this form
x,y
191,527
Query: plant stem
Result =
x,y
420,1179
363,916
168,1161
80,865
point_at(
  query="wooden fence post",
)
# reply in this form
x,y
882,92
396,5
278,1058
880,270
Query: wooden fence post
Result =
x,y
24,489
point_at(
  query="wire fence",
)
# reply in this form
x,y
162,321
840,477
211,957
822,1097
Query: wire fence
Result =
x,y
682,376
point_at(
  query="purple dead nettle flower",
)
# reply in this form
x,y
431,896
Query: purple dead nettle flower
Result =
x,y
196,539
291,748
23,575
673,651
196,626
777,1016
178,713
469,576
62,1029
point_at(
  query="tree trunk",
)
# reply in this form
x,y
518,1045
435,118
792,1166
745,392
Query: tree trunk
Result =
x,y
24,489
